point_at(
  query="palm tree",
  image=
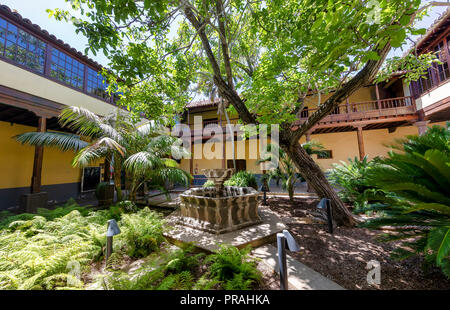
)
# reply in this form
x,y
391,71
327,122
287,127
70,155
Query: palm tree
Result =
x,y
148,159
115,138
286,171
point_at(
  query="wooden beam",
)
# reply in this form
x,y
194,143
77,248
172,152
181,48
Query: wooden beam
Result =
x,y
377,93
36,178
411,117
360,143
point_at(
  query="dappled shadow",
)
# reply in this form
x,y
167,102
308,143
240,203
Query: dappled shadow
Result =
x,y
343,256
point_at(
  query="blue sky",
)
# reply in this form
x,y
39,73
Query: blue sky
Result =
x,y
35,10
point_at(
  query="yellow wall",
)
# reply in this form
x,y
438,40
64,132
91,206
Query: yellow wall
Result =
x,y
16,161
31,83
344,145
361,95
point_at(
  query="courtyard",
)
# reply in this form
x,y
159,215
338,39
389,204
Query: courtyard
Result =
x,y
224,146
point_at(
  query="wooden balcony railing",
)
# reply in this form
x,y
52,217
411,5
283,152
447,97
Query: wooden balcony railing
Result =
x,y
351,112
366,110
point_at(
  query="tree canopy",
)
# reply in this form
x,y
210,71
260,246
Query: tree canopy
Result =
x,y
273,52
262,56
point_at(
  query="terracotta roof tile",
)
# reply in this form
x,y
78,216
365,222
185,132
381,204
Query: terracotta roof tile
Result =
x,y
201,104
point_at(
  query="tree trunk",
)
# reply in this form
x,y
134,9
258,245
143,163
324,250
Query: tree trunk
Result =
x,y
117,178
315,177
290,190
307,167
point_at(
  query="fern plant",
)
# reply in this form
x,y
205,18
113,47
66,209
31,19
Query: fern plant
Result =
x,y
53,251
416,196
165,271
143,232
234,268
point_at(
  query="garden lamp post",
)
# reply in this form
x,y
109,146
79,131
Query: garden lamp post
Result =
x,y
264,188
285,239
113,229
326,204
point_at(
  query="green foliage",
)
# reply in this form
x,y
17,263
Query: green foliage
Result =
x,y
143,232
416,187
230,269
127,206
278,51
101,189
40,254
234,268
413,66
208,183
351,179
52,249
242,179
7,218
165,271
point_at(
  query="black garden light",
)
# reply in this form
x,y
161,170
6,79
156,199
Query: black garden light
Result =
x,y
264,188
326,204
285,239
113,229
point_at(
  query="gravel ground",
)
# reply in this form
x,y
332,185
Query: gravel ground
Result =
x,y
343,256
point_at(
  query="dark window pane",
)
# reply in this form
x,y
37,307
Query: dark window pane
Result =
x,y
66,69
2,23
97,84
19,48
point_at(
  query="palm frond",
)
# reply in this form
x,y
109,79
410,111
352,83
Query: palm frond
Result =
x,y
60,140
88,155
142,162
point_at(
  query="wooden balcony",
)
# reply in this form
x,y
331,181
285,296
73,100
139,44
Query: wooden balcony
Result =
x,y
376,114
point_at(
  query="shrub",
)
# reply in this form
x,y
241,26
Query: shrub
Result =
x,y
172,270
37,253
127,206
7,217
143,232
230,269
208,183
41,253
242,179
234,268
351,179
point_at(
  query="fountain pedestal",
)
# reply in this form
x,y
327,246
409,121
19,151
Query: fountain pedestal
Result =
x,y
219,209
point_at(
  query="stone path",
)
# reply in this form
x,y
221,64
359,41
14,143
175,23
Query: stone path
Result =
x,y
300,277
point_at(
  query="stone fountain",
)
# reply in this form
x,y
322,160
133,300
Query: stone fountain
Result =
x,y
219,209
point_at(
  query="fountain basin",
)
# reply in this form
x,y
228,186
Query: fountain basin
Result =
x,y
219,210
